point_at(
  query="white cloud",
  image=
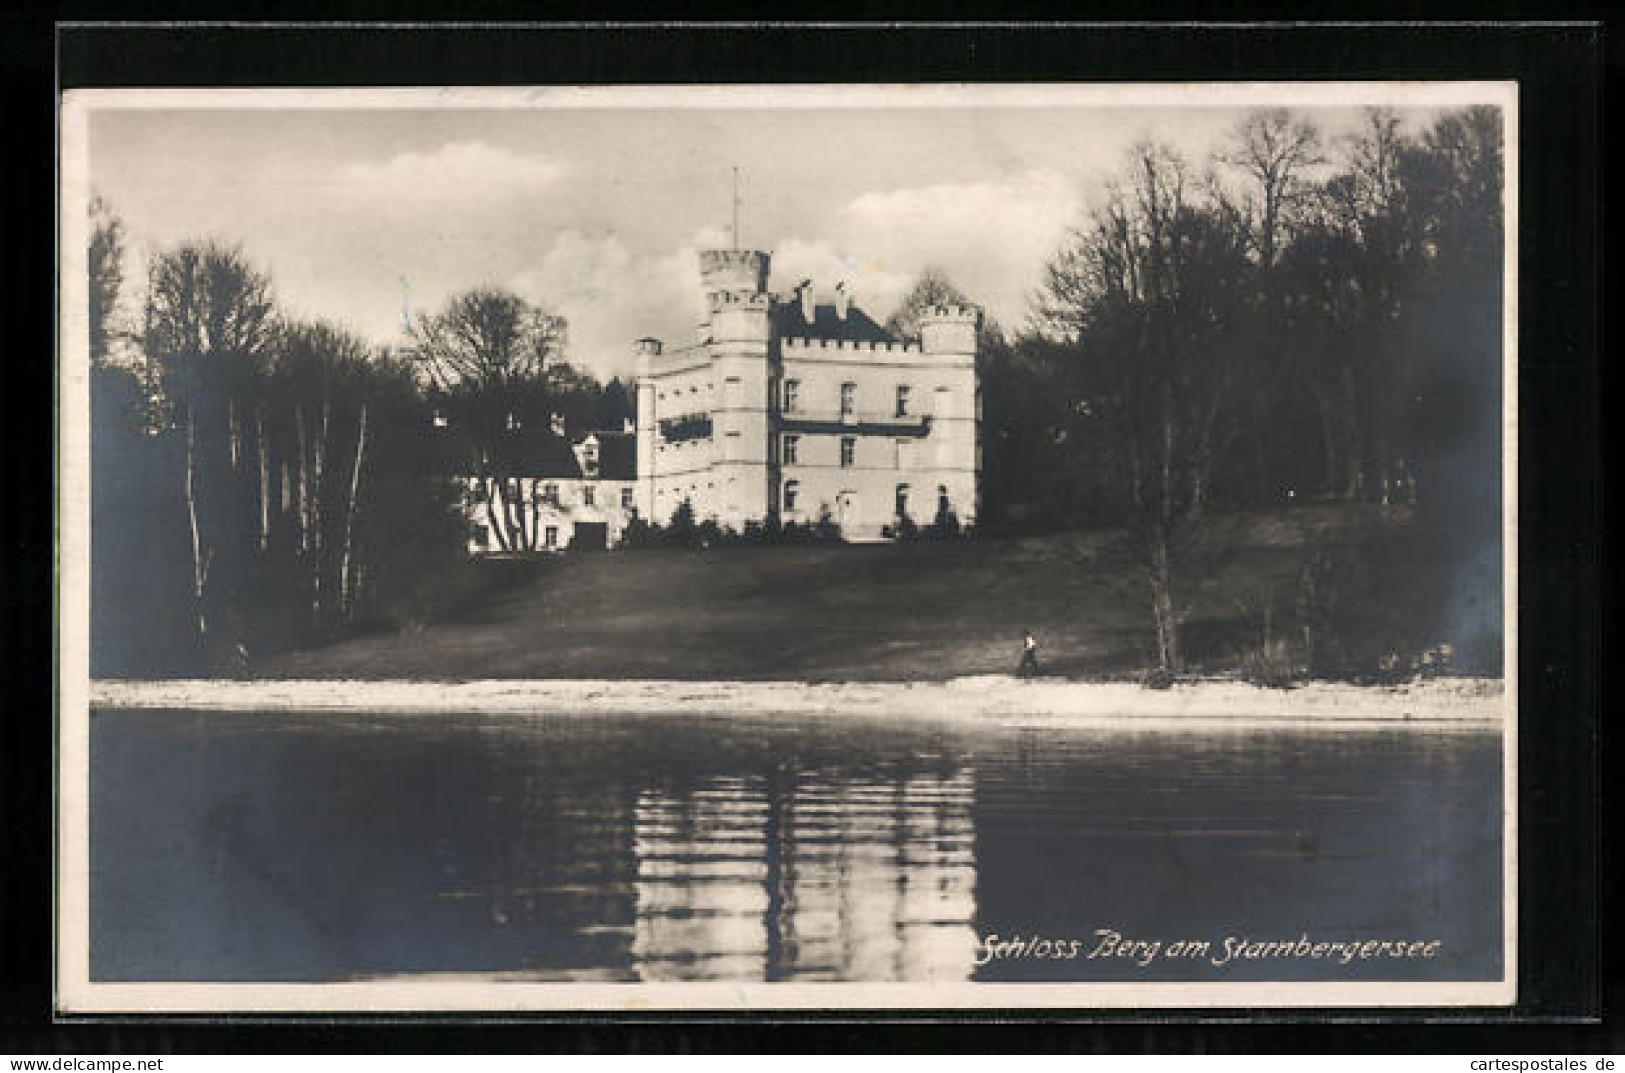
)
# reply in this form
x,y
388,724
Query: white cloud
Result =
x,y
456,173
611,296
613,252
877,284
991,238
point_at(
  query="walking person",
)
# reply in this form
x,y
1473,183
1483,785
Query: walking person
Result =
x,y
1029,656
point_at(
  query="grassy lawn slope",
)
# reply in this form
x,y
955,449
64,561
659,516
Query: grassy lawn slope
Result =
x,y
829,613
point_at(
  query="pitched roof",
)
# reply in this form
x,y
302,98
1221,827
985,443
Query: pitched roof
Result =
x,y
617,456
527,453
857,326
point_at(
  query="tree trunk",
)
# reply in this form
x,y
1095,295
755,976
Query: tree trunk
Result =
x,y
1331,463
349,512
535,504
1162,609
1354,461
200,560
514,499
264,451
499,528
302,481
318,465
232,434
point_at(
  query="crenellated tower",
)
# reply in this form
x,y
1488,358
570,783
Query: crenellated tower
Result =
x,y
740,310
648,352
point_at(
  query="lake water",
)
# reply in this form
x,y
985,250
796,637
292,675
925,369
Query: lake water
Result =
x,y
321,847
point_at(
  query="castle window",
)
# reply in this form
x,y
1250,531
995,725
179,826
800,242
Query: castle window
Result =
x,y
626,499
789,454
479,492
552,536
481,535
589,495
902,501
849,399
791,490
791,389
550,494
902,400
849,450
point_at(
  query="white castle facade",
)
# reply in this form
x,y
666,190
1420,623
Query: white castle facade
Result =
x,y
785,409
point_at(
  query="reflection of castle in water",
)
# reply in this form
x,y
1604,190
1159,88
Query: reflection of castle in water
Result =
x,y
810,876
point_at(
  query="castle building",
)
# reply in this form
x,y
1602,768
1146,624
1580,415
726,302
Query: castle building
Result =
x,y
787,409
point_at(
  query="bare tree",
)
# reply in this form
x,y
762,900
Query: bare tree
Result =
x,y
1355,264
106,278
209,321
1276,151
321,372
1143,298
488,353
933,288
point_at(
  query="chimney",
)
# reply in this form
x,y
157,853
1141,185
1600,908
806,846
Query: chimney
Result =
x,y
809,310
843,299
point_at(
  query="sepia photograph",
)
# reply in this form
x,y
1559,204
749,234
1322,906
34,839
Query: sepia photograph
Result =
x,y
741,547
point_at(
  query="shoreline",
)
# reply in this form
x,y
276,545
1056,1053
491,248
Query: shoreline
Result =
x,y
1468,703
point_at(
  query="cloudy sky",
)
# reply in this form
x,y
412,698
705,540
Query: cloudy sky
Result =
x,y
597,212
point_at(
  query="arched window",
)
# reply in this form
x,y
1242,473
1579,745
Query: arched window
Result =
x,y
792,388
902,501
902,400
791,490
849,399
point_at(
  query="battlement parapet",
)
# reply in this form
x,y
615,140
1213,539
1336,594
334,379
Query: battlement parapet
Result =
x,y
713,259
719,301
736,270
957,313
791,346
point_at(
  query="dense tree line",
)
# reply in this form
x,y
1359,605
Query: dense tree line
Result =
x,y
1291,321
260,481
